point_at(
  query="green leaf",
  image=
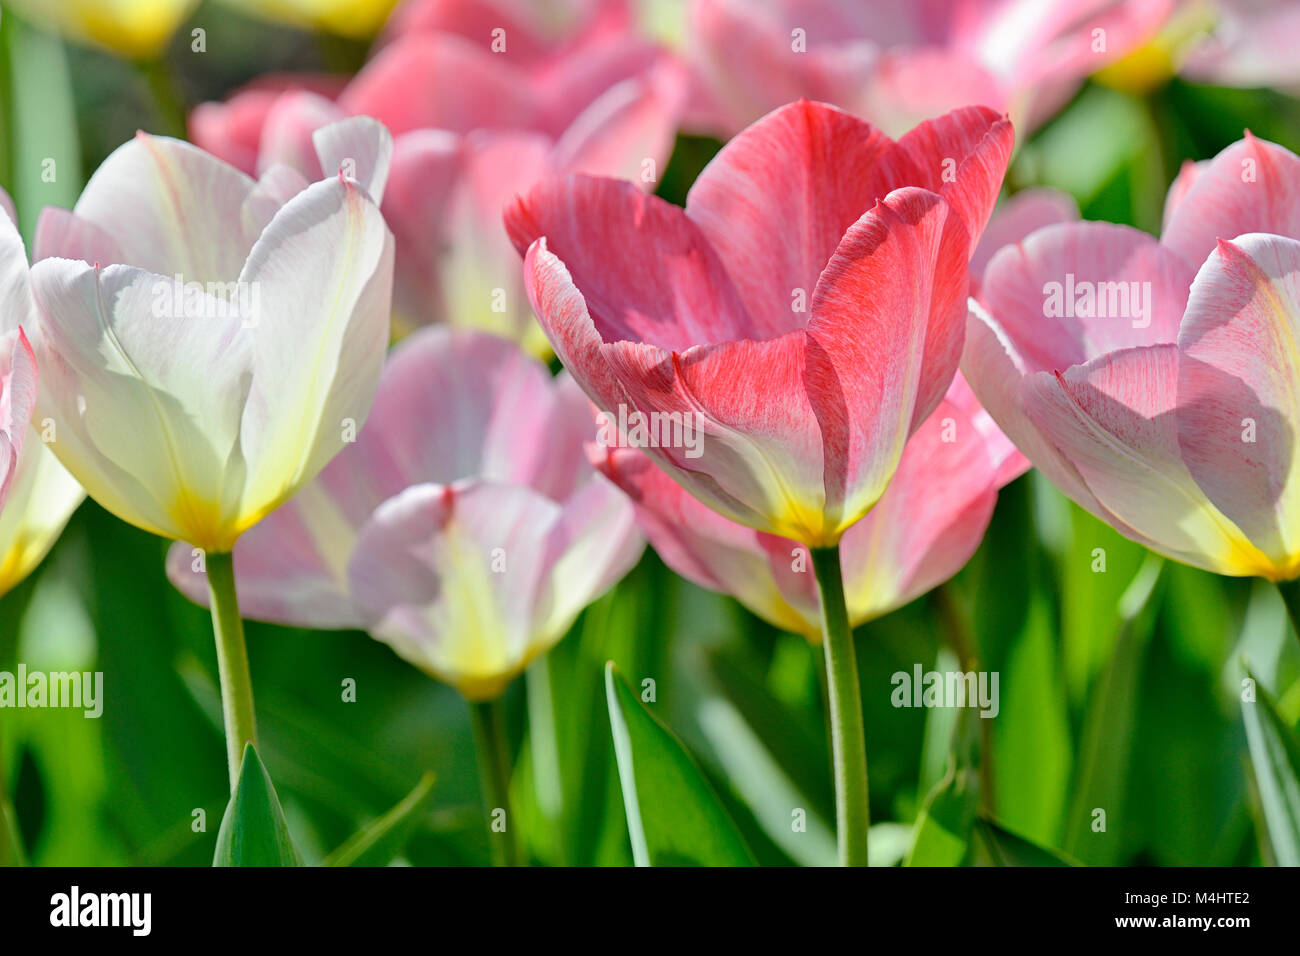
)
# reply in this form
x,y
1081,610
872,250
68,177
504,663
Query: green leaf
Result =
x,y
1275,754
377,843
673,816
253,831
44,156
1102,764
1009,849
942,832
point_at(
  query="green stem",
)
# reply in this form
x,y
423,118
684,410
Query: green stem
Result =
x,y
1290,591
848,739
488,717
232,662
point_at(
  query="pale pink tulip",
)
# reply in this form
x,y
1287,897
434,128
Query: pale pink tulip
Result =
x,y
898,61
464,528
1154,381
209,339
803,315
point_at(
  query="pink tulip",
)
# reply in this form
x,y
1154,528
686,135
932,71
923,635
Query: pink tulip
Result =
x,y
473,127
800,318
921,532
17,399
1154,381
895,63
464,527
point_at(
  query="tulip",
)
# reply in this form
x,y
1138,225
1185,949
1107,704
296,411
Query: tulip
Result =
x,y
464,528
815,259
1152,381
473,127
897,63
226,339
138,29
40,495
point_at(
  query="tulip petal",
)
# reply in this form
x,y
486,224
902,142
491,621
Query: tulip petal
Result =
x,y
1115,419
645,271
1252,186
1075,291
171,208
146,395
930,519
288,133
17,398
1239,389
884,341
777,200
963,157
1016,218
360,148
63,234
441,82
324,270
452,578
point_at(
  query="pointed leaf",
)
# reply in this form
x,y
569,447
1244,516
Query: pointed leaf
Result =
x,y
1008,849
673,816
253,831
941,836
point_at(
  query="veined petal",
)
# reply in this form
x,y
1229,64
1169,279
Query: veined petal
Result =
x,y
1014,219
963,157
323,270
645,271
884,342
170,208
1239,390
754,455
42,497
593,545
777,200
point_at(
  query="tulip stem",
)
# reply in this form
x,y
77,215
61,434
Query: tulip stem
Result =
x,y
232,662
848,739
1290,591
488,717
